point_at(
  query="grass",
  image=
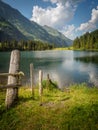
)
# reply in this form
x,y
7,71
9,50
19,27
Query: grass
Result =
x,y
64,48
74,109
74,49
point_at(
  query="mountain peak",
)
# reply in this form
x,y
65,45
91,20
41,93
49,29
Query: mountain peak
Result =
x,y
31,30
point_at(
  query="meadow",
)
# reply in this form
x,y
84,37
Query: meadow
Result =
x,y
75,108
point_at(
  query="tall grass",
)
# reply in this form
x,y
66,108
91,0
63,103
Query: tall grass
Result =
x,y
75,109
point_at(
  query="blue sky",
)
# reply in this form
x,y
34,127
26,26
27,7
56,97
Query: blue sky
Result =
x,y
71,17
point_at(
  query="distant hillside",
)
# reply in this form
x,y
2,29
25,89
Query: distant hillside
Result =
x,y
58,35
29,30
87,41
9,32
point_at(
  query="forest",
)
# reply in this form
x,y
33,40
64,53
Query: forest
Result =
x,y
24,45
88,41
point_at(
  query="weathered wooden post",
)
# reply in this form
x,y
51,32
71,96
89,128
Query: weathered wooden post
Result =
x,y
48,81
40,85
32,79
12,93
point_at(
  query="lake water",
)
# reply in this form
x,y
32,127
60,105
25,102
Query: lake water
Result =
x,y
65,67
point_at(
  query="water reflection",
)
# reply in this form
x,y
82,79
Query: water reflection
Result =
x,y
91,67
88,59
65,67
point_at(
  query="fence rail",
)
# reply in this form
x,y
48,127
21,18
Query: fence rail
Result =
x,y
12,74
17,85
10,86
14,80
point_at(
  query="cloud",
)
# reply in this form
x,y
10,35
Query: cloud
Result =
x,y
55,1
63,1
92,23
56,16
62,12
93,77
69,31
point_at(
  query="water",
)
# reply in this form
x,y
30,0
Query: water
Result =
x,y
65,67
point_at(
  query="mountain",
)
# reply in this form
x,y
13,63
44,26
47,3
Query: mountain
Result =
x,y
88,41
28,29
57,35
9,32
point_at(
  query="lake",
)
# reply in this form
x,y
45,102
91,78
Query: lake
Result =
x,y
65,67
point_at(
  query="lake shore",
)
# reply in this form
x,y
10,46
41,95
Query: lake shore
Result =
x,y
74,49
65,67
74,108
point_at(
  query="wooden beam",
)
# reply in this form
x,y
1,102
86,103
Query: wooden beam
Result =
x,y
40,83
12,74
10,86
40,86
32,79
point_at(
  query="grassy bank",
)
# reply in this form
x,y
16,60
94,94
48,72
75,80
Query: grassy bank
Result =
x,y
63,48
75,49
74,109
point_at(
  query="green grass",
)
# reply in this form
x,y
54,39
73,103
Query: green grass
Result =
x,y
74,49
74,109
63,48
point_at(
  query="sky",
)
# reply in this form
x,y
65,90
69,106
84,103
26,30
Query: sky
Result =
x,y
71,17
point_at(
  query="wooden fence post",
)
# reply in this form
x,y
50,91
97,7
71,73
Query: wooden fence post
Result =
x,y
12,93
40,85
48,81
32,79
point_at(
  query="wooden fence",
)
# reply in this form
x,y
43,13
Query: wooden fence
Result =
x,y
14,79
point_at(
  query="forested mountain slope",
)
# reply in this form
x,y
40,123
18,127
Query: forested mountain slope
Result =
x,y
87,41
29,29
9,32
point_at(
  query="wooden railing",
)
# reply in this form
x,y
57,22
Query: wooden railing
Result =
x,y
17,75
14,79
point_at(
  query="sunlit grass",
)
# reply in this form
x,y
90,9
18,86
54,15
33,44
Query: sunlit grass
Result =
x,y
64,48
72,109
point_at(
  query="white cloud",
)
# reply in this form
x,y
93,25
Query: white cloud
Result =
x,y
55,1
72,32
60,14
92,23
56,16
69,31
64,1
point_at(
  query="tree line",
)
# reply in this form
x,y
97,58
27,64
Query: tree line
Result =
x,y
87,41
25,45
